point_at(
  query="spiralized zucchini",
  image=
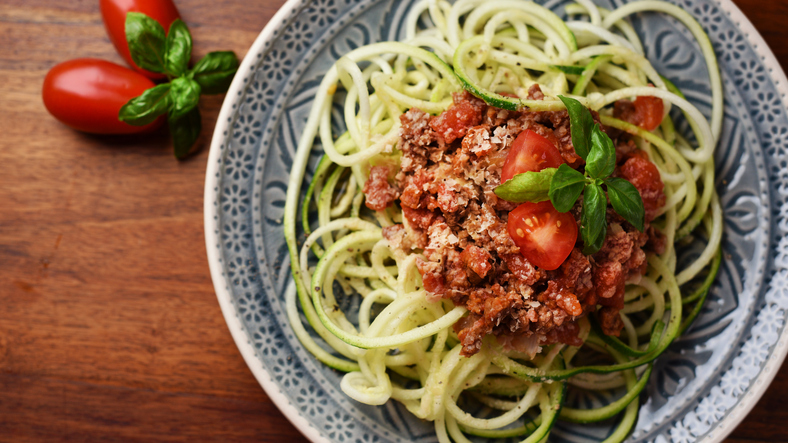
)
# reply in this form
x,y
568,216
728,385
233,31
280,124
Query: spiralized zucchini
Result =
x,y
402,346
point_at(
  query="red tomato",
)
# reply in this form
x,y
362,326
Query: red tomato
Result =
x,y
455,121
650,111
530,152
87,93
114,14
545,236
644,175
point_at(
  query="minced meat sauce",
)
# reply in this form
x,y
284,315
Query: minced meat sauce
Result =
x,y
451,163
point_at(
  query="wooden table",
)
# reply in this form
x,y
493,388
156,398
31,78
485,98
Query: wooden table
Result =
x,y
109,326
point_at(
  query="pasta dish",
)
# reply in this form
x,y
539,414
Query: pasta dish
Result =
x,y
496,215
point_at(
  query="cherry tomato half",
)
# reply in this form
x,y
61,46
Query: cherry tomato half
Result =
x,y
114,14
530,152
545,236
87,94
650,111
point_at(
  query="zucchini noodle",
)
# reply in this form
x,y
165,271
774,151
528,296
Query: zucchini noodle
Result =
x,y
400,344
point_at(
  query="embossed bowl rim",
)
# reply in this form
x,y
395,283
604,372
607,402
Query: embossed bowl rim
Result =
x,y
239,334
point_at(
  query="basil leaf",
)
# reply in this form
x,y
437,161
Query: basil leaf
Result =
x,y
144,109
626,201
566,187
580,123
593,224
185,130
593,248
185,94
215,71
147,42
527,187
601,160
571,70
179,49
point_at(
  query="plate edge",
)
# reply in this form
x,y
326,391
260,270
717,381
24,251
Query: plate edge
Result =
x,y
234,324
761,383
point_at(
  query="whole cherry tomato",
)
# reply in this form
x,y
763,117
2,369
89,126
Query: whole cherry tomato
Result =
x,y
545,236
530,152
114,14
87,94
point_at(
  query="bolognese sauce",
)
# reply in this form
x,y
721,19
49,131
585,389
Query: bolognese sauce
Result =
x,y
451,164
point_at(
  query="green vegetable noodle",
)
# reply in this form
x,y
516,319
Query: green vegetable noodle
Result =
x,y
408,344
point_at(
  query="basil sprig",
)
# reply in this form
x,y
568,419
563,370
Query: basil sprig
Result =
x,y
169,54
566,185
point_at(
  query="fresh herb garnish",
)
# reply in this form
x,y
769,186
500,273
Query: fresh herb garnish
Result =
x,y
601,160
566,187
169,54
567,184
626,201
592,220
580,121
146,108
215,71
528,186
147,41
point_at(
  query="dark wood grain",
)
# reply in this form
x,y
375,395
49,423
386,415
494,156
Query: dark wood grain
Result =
x,y
110,329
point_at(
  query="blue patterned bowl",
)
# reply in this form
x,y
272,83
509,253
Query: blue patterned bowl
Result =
x,y
701,388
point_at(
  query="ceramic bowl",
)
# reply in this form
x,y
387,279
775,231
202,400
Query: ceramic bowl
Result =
x,y
702,387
